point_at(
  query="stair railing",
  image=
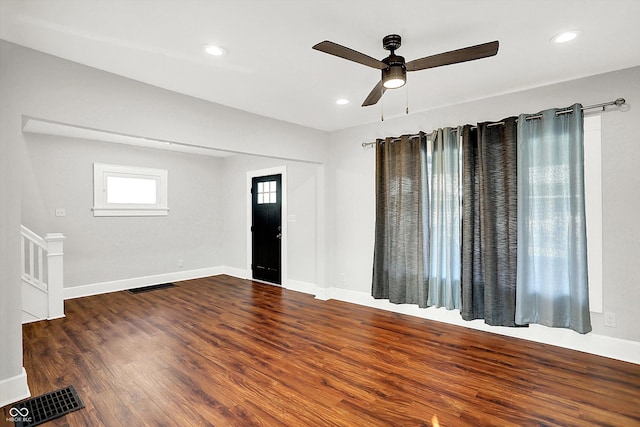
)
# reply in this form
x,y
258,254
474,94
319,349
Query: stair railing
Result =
x,y
42,268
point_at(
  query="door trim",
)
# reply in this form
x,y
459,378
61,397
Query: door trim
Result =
x,y
279,170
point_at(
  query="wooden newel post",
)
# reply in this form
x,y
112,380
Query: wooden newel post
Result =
x,y
55,280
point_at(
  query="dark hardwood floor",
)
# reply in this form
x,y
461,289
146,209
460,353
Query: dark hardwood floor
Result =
x,y
228,352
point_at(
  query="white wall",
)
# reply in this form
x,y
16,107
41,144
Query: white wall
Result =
x,y
351,195
58,173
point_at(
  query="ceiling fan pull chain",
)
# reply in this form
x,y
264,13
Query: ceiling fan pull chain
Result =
x,y
382,111
407,93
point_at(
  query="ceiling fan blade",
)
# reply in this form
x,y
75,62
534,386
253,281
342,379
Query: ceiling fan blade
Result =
x,y
374,95
344,52
453,57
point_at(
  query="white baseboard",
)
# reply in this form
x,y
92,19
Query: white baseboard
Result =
x,y
294,285
601,345
298,286
29,318
323,294
14,389
240,273
138,282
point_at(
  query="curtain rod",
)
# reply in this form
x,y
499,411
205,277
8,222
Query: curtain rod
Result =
x,y
618,102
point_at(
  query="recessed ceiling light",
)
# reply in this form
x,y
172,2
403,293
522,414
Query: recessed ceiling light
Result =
x,y
214,50
342,101
566,36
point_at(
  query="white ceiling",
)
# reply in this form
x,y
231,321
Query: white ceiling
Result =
x,y
271,69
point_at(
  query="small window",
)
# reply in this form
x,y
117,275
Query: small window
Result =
x,y
267,192
129,191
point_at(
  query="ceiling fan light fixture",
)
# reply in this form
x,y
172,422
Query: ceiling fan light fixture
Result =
x,y
394,77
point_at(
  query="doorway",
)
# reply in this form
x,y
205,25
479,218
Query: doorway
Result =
x,y
266,228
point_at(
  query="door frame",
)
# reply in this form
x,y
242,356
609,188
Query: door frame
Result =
x,y
282,171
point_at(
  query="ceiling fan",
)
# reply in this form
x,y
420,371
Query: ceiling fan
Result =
x,y
394,68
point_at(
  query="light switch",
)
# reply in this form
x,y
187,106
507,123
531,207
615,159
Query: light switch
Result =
x,y
292,218
60,212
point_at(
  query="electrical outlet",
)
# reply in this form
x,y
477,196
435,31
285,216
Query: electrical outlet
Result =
x,y
180,263
610,319
61,212
342,278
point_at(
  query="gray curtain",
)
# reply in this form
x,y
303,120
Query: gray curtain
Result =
x,y
444,225
490,223
472,238
552,253
401,230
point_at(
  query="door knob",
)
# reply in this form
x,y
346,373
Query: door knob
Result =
x,y
279,236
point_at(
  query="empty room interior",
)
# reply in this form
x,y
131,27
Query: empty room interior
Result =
x,y
319,213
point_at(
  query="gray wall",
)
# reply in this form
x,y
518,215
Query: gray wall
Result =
x,y
10,316
42,86
351,217
206,225
62,91
58,173
33,170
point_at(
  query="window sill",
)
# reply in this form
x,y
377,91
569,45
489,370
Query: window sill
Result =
x,y
130,212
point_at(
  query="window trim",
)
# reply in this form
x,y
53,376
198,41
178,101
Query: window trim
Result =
x,y
101,207
593,209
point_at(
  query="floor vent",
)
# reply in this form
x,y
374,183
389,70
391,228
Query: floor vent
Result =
x,y
38,410
150,288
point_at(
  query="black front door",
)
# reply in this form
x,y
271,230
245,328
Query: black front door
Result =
x,y
266,228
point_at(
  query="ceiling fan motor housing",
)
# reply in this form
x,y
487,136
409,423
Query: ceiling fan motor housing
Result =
x,y
392,42
395,75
